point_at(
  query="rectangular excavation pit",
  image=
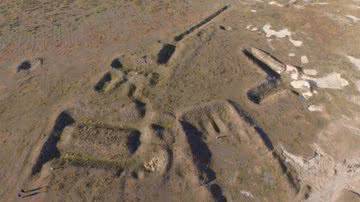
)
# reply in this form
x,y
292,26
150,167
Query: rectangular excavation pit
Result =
x,y
88,144
278,78
264,90
165,53
110,80
221,135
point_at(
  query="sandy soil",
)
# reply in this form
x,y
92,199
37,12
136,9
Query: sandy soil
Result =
x,y
139,100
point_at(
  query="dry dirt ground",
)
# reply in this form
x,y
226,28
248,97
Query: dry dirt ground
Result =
x,y
180,100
